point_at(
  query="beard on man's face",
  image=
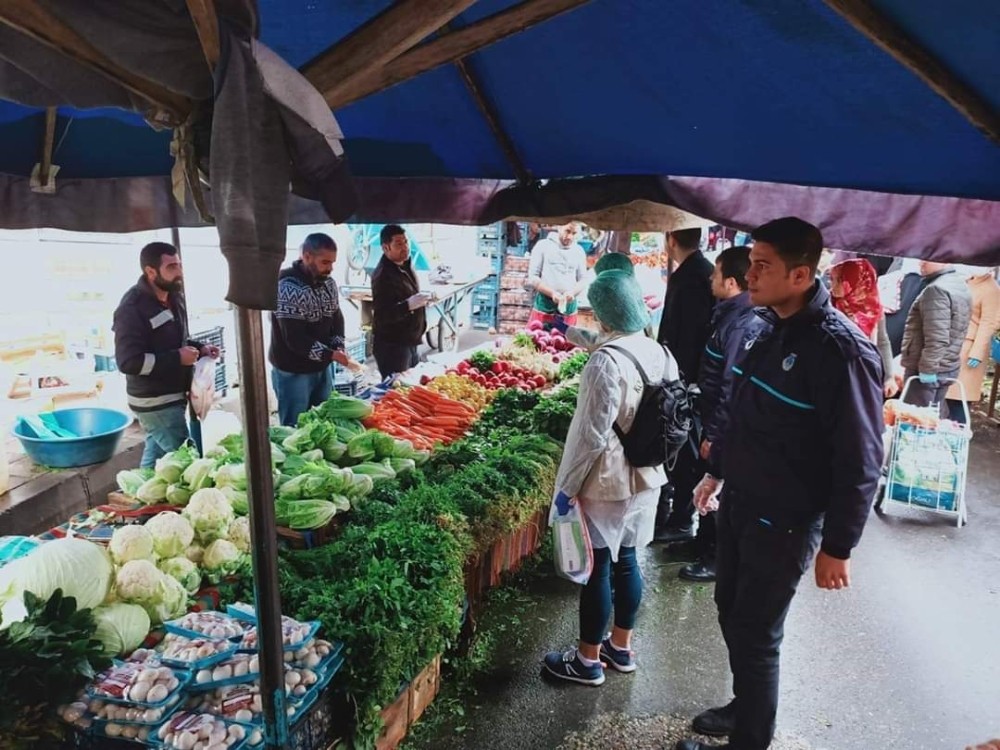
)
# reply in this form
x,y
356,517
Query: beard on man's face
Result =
x,y
169,286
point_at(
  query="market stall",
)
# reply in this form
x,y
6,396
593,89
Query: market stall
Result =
x,y
451,478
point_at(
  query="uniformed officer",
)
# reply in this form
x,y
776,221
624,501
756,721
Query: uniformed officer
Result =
x,y
799,461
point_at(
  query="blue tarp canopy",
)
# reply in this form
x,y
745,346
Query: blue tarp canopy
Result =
x,y
735,110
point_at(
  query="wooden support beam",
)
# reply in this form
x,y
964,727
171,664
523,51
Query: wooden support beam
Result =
x,y
863,16
30,18
48,141
447,49
382,39
492,118
206,23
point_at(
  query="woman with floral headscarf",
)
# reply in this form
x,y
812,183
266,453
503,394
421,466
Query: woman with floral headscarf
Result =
x,y
854,289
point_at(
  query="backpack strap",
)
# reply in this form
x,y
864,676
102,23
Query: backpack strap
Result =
x,y
627,353
619,432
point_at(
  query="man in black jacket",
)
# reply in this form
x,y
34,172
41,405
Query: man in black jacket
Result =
x,y
153,350
800,460
307,330
732,322
399,320
684,328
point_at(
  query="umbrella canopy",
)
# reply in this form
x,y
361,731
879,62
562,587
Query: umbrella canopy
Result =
x,y
737,110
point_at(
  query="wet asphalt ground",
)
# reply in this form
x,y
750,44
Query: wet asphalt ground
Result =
x,y
908,657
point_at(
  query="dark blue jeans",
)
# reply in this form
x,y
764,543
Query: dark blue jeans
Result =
x,y
166,430
298,393
595,597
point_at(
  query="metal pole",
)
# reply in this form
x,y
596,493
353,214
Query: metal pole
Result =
x,y
260,486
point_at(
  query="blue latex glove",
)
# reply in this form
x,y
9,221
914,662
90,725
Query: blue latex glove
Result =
x,y
928,378
562,503
974,363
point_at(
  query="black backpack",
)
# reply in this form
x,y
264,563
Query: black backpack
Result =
x,y
665,421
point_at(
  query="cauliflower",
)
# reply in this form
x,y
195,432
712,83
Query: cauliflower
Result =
x,y
239,533
171,532
186,572
140,582
137,581
195,553
131,543
210,513
222,559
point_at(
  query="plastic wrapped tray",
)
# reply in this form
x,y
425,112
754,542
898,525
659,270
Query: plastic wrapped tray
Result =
x,y
216,626
191,718
212,684
226,650
112,685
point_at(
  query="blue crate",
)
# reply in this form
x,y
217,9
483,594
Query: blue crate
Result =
x,y
485,297
490,285
105,363
357,348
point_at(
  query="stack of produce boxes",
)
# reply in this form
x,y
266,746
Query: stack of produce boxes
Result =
x,y
515,298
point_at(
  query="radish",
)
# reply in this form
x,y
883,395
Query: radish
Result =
x,y
535,325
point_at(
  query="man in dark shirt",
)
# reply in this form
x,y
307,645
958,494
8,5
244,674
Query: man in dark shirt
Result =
x,y
732,322
307,330
152,349
399,319
684,329
800,459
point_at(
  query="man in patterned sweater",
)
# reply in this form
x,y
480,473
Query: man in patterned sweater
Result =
x,y
307,330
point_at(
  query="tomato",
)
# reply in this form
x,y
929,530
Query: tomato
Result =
x,y
473,371
497,368
462,367
539,381
425,379
451,371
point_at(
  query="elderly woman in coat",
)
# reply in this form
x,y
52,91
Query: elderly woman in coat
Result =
x,y
618,500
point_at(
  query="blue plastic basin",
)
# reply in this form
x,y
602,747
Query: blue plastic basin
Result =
x,y
100,431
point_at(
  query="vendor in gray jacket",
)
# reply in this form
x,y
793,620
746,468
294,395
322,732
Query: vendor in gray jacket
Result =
x,y
935,330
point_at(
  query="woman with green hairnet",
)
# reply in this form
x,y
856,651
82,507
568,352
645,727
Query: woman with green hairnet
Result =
x,y
618,500
586,338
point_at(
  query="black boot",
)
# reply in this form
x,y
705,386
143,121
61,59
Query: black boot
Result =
x,y
716,722
702,571
695,745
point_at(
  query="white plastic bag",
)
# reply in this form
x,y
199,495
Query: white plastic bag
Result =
x,y
203,387
574,555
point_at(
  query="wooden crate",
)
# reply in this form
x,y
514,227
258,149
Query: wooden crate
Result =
x,y
396,722
409,706
294,539
424,689
514,314
509,329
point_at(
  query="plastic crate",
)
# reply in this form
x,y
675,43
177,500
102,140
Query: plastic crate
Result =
x,y
485,297
214,336
492,284
105,363
358,348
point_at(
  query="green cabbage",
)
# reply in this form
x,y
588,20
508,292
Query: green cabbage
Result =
x,y
307,514
152,491
198,475
231,475
131,480
171,466
56,565
121,627
178,495
238,499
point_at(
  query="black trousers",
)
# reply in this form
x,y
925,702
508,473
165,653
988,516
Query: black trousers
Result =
x,y
684,477
758,569
392,358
